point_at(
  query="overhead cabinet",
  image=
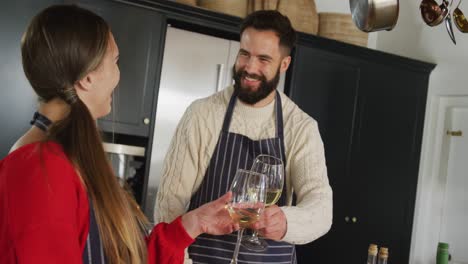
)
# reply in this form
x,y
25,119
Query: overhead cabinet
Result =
x,y
139,33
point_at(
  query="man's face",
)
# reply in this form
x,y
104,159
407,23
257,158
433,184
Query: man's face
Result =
x,y
259,63
251,96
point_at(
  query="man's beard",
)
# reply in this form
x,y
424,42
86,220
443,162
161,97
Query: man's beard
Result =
x,y
246,94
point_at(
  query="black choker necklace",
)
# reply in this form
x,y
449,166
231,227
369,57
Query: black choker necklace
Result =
x,y
41,121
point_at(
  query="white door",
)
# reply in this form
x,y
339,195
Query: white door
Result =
x,y
454,224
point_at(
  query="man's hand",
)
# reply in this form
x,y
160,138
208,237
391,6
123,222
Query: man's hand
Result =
x,y
272,223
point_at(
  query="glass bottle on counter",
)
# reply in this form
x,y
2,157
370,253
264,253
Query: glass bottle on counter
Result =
x,y
383,256
442,253
372,254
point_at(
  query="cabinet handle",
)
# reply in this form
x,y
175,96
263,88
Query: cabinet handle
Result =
x,y
354,219
457,133
346,219
146,121
220,77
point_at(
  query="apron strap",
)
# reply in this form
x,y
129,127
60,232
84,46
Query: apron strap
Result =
x,y
279,116
280,126
229,111
280,131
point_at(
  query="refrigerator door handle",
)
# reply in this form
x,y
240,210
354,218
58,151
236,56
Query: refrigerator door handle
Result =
x,y
220,77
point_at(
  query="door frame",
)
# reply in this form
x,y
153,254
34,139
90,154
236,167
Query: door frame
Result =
x,y
432,179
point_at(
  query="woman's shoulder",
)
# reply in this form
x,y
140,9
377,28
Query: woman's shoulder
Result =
x,y
37,158
35,151
40,190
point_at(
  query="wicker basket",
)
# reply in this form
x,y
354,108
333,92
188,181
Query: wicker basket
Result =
x,y
255,5
270,4
188,2
341,27
232,7
302,13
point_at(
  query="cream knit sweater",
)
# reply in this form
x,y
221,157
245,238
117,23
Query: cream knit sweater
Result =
x,y
195,140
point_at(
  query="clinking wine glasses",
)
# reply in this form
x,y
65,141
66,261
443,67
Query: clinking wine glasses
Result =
x,y
273,168
248,201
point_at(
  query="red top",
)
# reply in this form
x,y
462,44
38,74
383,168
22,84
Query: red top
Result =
x,y
44,212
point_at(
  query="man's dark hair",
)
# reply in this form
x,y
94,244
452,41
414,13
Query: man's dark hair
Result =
x,y
275,21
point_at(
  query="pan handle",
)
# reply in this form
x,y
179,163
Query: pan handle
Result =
x,y
448,25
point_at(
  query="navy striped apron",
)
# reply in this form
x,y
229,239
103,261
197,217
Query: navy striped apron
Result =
x,y
234,151
93,252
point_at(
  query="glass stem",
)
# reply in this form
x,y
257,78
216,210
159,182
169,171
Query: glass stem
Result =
x,y
236,250
255,235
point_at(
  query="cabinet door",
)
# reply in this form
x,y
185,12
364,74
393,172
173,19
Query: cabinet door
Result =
x,y
385,156
138,33
324,85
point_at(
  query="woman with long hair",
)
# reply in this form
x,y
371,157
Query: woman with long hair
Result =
x,y
60,201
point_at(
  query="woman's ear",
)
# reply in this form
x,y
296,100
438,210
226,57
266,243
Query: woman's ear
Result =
x,y
85,84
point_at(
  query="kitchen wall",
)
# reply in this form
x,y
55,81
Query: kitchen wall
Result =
x,y
412,38
339,6
18,100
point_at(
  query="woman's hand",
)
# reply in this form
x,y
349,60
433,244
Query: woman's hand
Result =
x,y
211,218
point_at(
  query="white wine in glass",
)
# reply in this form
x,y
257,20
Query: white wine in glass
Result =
x,y
246,217
273,168
273,196
248,201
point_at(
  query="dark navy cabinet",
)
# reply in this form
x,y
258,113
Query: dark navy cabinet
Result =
x,y
139,33
370,111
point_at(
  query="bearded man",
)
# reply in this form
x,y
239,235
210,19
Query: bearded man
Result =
x,y
226,131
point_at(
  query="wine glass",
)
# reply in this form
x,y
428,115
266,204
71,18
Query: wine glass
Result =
x,y
248,201
274,170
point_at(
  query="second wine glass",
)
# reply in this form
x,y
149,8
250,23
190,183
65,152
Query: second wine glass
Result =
x,y
273,168
248,201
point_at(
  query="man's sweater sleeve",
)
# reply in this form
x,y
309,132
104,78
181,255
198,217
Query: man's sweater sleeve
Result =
x,y
180,170
311,218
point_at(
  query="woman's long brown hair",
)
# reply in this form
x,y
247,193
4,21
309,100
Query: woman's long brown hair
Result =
x,y
60,47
